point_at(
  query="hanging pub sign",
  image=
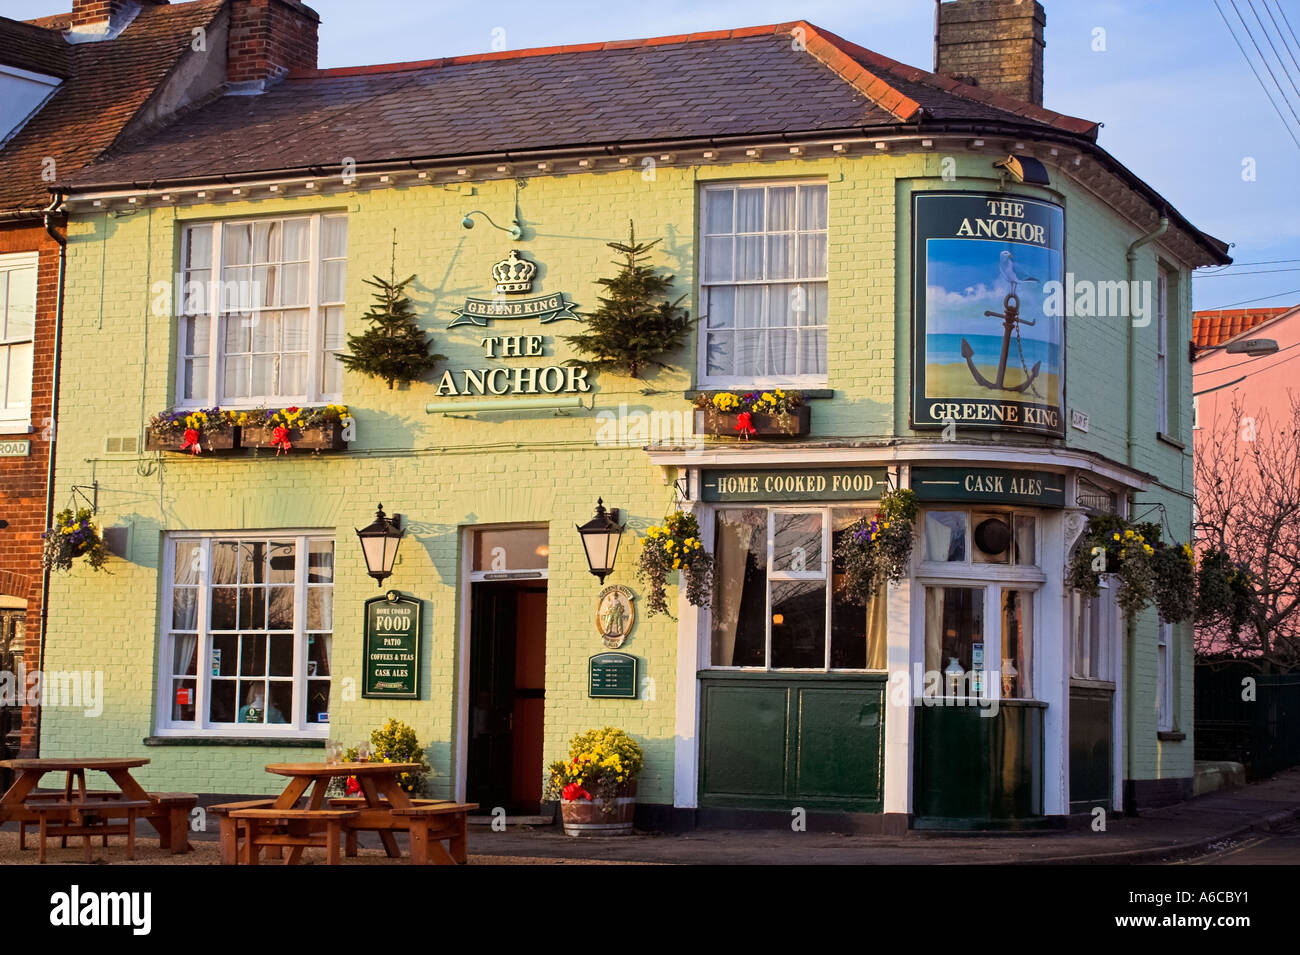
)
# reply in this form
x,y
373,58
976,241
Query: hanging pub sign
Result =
x,y
989,486
612,675
986,352
793,484
513,276
391,653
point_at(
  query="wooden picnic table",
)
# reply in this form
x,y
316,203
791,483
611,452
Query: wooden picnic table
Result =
x,y
169,814
377,780
384,807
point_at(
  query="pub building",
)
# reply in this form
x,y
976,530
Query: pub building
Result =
x,y
893,244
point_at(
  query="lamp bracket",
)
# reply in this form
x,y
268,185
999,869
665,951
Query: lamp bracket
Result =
x,y
92,501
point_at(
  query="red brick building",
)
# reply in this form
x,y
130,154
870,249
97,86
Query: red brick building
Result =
x,y
72,86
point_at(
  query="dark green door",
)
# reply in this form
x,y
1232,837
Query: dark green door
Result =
x,y
1090,748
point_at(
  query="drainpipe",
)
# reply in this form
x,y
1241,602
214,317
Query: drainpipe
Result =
x,y
49,213
1130,263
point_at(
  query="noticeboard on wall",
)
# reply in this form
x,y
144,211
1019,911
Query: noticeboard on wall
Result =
x,y
391,654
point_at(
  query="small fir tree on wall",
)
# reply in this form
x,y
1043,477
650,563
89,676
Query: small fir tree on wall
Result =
x,y
635,323
394,348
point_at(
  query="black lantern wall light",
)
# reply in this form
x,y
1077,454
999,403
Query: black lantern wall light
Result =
x,y
379,541
600,537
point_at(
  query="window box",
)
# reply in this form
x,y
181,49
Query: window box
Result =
x,y
322,436
168,439
789,424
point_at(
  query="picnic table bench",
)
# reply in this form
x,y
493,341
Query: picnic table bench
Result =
x,y
383,807
74,809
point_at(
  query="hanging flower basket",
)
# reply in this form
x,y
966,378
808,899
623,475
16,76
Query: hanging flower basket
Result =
x,y
1225,593
876,550
675,546
1147,571
302,429
767,414
74,535
596,785
192,432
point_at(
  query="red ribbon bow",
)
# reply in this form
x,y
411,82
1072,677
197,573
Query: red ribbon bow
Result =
x,y
352,787
745,425
574,791
280,439
192,441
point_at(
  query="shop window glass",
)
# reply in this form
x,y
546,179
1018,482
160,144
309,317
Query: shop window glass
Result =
x,y
858,631
739,632
798,624
1017,643
991,536
1025,541
954,638
945,535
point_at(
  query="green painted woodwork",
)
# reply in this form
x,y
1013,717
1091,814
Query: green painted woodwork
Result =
x,y
772,741
1090,747
974,767
989,486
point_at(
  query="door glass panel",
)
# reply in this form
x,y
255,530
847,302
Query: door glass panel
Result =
x,y
954,637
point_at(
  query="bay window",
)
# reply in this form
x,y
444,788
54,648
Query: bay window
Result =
x,y
261,311
776,603
247,624
763,291
979,579
17,335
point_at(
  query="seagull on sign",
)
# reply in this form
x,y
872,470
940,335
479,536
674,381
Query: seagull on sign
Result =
x,y
1011,273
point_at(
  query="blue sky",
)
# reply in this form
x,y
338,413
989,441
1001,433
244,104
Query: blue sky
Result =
x,y
1180,105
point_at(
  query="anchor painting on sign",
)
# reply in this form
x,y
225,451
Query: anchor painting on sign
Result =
x,y
986,353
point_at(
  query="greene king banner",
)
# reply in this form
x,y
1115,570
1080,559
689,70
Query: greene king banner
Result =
x,y
985,352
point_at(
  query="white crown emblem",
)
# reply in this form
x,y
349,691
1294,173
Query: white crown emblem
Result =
x,y
514,274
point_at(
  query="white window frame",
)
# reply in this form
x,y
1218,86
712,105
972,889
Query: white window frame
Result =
x,y
724,382
1162,351
11,420
1164,677
826,575
296,728
315,307
992,580
1100,672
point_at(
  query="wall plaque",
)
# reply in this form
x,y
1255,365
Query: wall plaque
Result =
x,y
612,675
391,654
615,615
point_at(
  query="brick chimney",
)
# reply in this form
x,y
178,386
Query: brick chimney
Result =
x,y
268,38
994,44
104,19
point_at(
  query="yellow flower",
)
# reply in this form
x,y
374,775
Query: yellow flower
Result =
x,y
676,564
1115,536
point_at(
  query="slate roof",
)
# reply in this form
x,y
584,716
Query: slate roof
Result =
x,y
729,83
105,85
1215,326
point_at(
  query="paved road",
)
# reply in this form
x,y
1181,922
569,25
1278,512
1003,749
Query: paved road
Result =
x,y
1271,848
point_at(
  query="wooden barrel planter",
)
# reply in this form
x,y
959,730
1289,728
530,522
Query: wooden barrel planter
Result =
x,y
326,436
792,424
589,817
226,440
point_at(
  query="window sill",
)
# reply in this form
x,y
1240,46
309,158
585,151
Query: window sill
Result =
x,y
1170,736
274,742
1172,442
811,394
16,427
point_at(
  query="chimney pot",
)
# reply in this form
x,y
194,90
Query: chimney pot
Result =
x,y
994,44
